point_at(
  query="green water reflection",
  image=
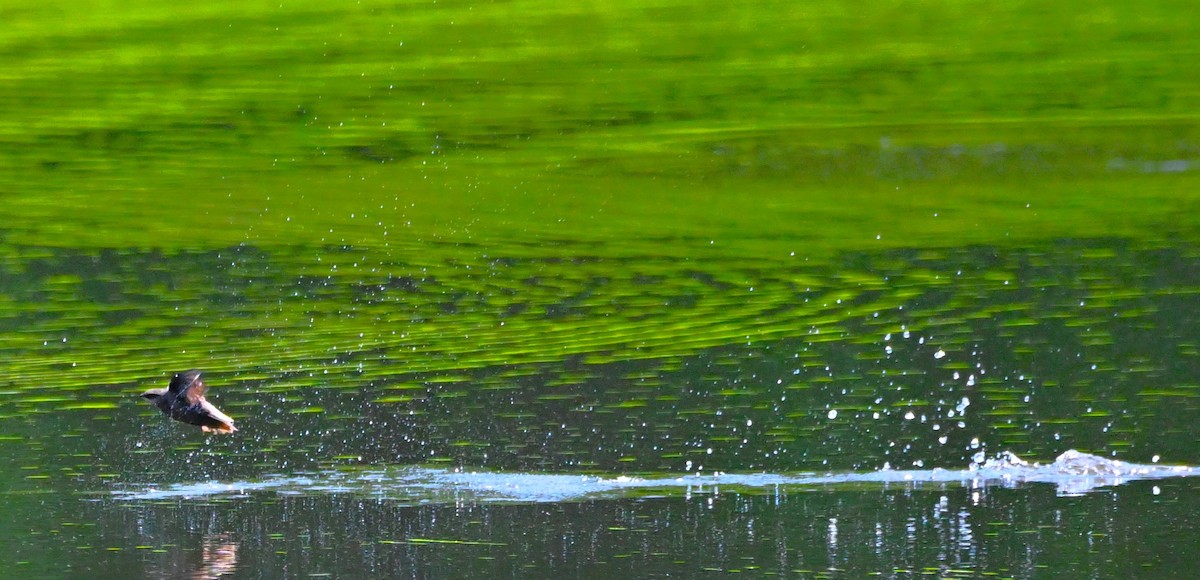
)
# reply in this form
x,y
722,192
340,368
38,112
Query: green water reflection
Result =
x,y
606,238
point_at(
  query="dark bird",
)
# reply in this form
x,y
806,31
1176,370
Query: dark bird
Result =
x,y
184,401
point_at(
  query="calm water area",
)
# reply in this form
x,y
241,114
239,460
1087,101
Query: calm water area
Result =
x,y
619,289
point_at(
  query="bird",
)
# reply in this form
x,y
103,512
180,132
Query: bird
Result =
x,y
184,401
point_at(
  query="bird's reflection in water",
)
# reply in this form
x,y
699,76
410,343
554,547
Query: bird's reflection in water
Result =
x,y
218,558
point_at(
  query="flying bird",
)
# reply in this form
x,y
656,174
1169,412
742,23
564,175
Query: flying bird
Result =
x,y
184,401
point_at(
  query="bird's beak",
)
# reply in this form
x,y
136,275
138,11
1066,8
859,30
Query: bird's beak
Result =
x,y
151,395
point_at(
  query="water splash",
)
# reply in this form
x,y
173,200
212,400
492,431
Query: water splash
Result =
x,y
1073,473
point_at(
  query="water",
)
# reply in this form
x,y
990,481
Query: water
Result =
x,y
623,290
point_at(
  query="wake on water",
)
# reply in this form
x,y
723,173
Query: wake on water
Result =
x,y
1073,473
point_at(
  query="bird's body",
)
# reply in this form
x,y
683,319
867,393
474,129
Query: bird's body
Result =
x,y
184,401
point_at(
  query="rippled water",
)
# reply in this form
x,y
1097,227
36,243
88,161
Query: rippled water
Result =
x,y
622,364
881,375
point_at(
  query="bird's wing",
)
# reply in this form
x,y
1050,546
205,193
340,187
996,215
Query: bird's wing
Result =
x,y
194,392
214,412
184,381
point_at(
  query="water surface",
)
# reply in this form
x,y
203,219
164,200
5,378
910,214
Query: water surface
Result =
x,y
532,290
